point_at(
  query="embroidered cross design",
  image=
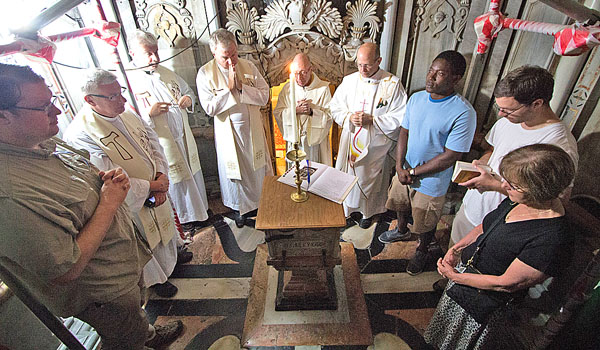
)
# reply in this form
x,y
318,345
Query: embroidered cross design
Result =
x,y
111,139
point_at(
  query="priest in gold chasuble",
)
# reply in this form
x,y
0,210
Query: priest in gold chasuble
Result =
x,y
369,107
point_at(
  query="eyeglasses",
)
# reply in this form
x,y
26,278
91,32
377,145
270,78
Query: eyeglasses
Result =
x,y
365,66
513,187
46,109
301,72
111,97
506,112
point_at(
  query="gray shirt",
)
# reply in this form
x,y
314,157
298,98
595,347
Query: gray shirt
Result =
x,y
46,197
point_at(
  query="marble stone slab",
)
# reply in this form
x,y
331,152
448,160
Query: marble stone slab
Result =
x,y
209,288
247,237
257,331
399,282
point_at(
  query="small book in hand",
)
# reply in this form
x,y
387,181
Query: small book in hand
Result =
x,y
464,171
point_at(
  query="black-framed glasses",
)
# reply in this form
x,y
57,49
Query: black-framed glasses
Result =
x,y
46,109
506,112
111,97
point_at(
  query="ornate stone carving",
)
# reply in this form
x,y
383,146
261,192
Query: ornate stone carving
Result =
x,y
140,13
167,21
441,15
325,54
166,26
300,15
242,22
360,18
314,27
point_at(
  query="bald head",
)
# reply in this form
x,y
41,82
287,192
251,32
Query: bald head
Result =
x,y
301,61
367,59
303,69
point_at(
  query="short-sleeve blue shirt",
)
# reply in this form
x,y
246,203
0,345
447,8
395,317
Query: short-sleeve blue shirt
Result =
x,y
432,126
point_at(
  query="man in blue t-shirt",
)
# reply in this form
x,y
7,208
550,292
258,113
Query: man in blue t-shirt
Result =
x,y
438,127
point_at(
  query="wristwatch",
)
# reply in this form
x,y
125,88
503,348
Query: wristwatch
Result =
x,y
411,172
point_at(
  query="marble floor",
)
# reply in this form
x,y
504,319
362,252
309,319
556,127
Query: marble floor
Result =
x,y
215,286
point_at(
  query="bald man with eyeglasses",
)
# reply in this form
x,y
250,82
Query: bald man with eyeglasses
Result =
x,y
369,107
311,107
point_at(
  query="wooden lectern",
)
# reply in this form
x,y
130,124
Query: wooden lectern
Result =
x,y
303,245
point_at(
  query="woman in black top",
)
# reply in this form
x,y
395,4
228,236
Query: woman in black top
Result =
x,y
519,244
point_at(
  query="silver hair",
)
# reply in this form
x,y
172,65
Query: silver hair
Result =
x,y
221,36
140,37
96,77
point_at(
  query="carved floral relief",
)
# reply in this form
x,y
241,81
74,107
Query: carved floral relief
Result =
x,y
314,27
438,16
167,21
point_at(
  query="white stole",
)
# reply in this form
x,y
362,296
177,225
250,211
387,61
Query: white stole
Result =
x,y
158,222
311,134
223,126
360,137
178,170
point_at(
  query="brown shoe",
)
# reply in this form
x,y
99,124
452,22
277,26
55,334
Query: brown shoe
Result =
x,y
165,290
165,334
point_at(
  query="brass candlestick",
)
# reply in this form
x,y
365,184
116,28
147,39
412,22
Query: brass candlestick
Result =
x,y
297,155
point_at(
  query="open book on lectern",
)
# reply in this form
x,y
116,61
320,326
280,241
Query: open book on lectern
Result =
x,y
321,180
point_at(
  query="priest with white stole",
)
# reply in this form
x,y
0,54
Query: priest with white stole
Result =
x,y
369,107
163,97
115,137
232,90
310,107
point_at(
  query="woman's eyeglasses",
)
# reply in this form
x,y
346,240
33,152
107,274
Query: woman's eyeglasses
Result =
x,y
514,187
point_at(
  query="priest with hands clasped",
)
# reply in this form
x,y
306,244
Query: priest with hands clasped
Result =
x,y
369,107
232,90
311,97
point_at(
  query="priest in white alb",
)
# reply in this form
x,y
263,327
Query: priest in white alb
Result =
x,y
311,108
163,97
232,90
116,137
369,107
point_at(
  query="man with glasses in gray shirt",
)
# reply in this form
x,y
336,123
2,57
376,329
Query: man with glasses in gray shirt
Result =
x,y
64,231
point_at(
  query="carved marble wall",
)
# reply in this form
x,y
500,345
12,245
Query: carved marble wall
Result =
x,y
328,35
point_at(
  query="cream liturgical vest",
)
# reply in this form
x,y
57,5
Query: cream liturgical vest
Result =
x,y
178,171
158,222
377,95
223,126
310,133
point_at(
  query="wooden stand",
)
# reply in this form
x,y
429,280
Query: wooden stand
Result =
x,y
303,245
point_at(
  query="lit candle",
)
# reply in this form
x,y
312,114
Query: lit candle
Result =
x,y
295,137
